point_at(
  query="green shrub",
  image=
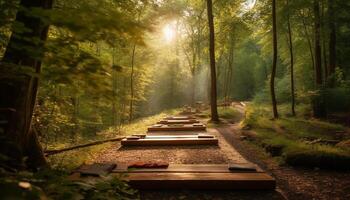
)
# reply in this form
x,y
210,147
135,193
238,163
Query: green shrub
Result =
x,y
318,158
338,99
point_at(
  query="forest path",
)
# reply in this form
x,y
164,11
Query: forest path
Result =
x,y
204,154
224,153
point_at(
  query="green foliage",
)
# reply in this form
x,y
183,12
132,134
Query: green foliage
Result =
x,y
318,156
53,184
290,137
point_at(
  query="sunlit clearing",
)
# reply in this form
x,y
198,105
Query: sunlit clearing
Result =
x,y
169,32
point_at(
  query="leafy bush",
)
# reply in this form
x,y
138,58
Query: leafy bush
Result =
x,y
318,158
287,137
338,99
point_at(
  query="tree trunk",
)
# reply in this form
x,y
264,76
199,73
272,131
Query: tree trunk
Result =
x,y
324,42
290,37
132,83
193,93
332,42
213,92
318,103
308,42
274,65
19,89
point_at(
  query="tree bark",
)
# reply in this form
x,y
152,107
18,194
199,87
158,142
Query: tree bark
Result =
x,y
274,64
19,89
318,103
306,32
290,37
132,83
213,91
332,42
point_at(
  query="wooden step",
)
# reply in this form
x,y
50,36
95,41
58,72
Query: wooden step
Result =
x,y
179,176
177,127
180,121
189,168
169,140
198,176
201,181
181,117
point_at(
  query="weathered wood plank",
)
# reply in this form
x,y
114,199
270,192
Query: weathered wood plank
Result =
x,y
179,117
177,127
210,181
188,168
179,121
170,141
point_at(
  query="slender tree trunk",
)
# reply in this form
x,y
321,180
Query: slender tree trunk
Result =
x,y
193,93
318,103
114,88
19,90
324,42
230,65
290,37
306,32
213,91
274,65
332,41
132,83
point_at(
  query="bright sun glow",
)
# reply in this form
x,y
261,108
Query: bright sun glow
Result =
x,y
169,32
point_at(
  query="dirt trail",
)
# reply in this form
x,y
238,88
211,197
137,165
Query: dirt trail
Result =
x,y
224,153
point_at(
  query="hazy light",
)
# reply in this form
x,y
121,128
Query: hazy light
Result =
x,y
169,32
250,4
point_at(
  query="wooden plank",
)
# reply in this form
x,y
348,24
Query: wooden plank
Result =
x,y
180,121
179,117
162,133
194,136
187,168
170,141
202,181
177,127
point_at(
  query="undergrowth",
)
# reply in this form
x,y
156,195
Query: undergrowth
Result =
x,y
292,138
72,159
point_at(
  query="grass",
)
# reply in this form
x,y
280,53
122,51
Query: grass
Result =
x,y
288,137
72,159
225,113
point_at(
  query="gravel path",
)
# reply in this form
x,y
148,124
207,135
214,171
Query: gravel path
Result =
x,y
221,154
224,153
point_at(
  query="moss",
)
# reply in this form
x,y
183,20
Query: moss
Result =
x,y
318,158
286,137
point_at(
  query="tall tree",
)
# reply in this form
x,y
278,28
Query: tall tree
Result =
x,y
213,91
274,64
318,105
290,38
332,41
132,83
21,69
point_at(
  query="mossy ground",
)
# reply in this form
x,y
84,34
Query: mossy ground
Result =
x,y
72,159
290,138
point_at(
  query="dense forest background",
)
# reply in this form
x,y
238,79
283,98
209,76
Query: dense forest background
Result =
x,y
107,63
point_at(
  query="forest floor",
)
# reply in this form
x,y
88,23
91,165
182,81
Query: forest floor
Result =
x,y
292,183
222,154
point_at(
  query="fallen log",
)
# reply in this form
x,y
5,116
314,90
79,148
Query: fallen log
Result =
x,y
56,151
